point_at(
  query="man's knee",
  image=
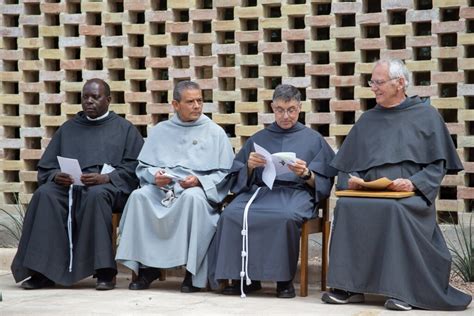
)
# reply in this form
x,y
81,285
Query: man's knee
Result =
x,y
194,194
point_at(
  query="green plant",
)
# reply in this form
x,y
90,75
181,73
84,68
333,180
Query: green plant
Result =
x,y
14,224
462,250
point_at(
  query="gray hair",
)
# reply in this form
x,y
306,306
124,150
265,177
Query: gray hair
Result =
x,y
286,93
184,85
396,69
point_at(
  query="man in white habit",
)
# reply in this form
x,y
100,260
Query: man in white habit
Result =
x,y
171,220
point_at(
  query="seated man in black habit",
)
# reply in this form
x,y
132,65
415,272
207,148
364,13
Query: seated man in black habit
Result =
x,y
393,247
271,232
51,253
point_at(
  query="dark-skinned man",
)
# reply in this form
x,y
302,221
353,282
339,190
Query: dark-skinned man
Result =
x,y
51,253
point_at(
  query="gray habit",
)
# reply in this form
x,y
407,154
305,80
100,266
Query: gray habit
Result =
x,y
179,233
44,245
275,216
387,246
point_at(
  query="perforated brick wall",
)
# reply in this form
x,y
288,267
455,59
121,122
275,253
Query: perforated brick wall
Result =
x,y
238,51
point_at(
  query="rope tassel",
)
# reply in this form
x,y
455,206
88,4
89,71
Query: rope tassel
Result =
x,y
245,246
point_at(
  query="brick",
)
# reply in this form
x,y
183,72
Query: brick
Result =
x,y
466,12
225,25
93,7
299,82
81,18
29,42
138,119
246,107
396,53
52,7
448,3
135,5
28,176
202,38
296,9
92,30
202,15
320,69
248,83
34,154
320,118
339,130
320,93
447,103
248,131
265,118
344,105
142,28
157,39
422,15
371,18
294,35
397,4
320,20
395,30
248,36
345,32
370,43
248,12
295,58
344,81
46,31
273,23
229,119
446,77
226,95
363,93
446,52
272,47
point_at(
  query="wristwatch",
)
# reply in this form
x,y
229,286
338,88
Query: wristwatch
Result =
x,y
306,176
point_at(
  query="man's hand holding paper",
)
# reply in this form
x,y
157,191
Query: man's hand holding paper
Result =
x,y
69,168
275,164
64,179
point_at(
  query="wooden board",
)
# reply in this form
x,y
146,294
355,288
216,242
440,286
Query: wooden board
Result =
x,y
374,194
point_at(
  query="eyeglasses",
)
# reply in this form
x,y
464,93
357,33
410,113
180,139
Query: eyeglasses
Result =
x,y
378,83
291,111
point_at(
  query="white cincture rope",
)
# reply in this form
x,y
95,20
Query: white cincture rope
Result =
x,y
245,247
169,197
69,227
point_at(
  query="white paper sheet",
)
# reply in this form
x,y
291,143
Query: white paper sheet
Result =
x,y
173,177
269,172
106,168
71,167
277,164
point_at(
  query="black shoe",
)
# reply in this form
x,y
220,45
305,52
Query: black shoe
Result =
x,y
104,285
187,285
234,288
37,281
285,289
336,296
144,279
105,279
397,305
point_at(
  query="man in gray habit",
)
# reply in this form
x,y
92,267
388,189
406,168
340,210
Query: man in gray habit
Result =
x,y
393,247
272,229
172,218
48,251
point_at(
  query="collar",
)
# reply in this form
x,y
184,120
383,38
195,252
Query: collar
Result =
x,y
98,118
